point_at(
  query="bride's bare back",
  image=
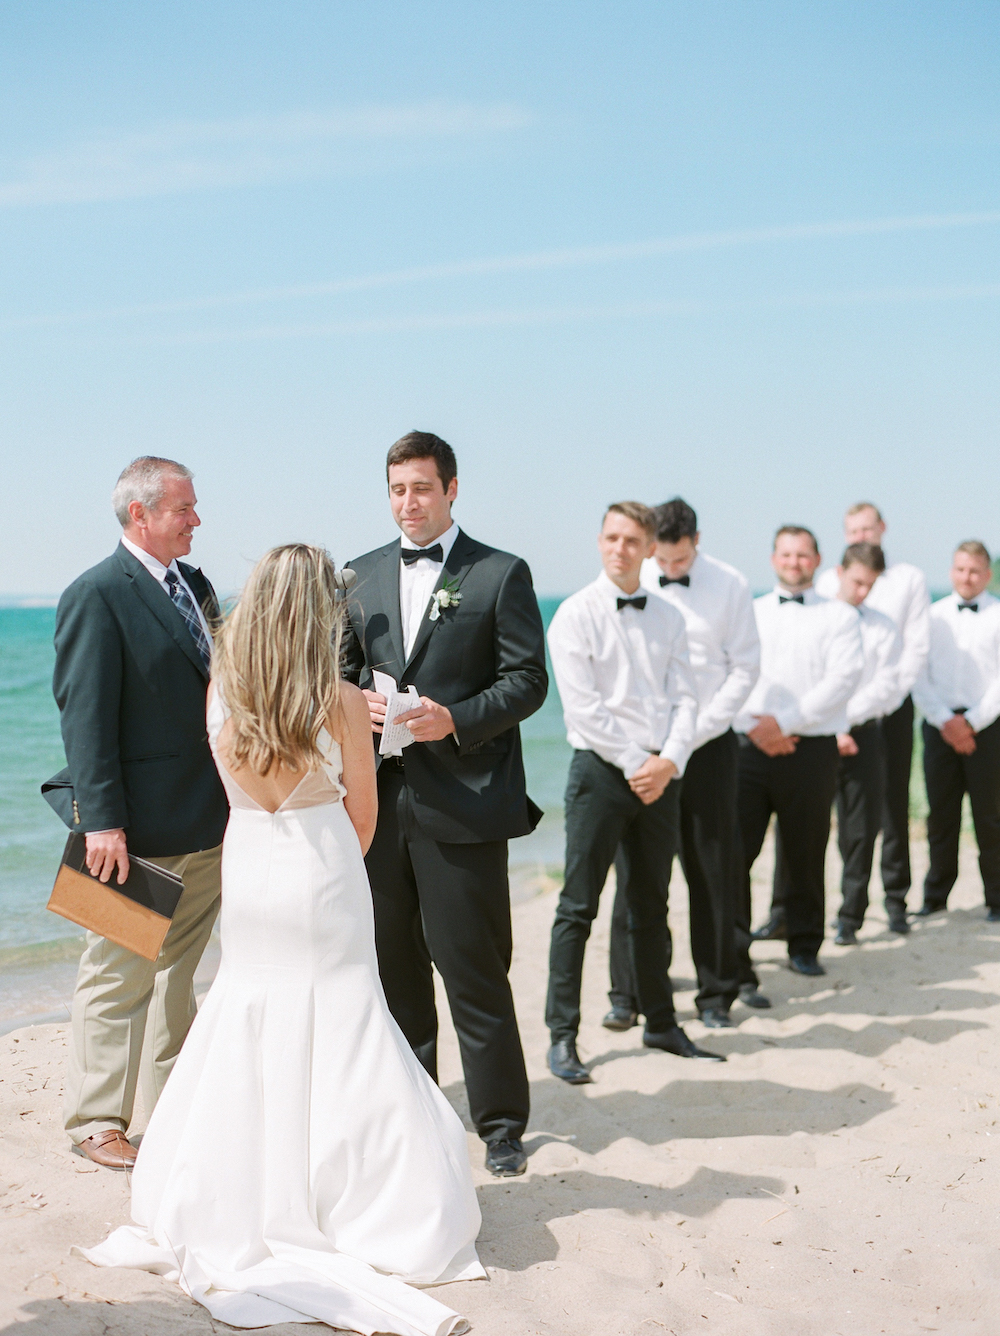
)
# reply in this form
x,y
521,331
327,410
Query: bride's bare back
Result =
x,y
268,791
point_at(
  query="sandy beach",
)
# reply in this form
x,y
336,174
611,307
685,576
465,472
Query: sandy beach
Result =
x,y
835,1176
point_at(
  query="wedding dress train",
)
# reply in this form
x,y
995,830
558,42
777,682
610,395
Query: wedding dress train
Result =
x,y
301,1165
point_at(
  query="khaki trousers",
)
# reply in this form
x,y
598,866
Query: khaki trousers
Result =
x,y
130,1015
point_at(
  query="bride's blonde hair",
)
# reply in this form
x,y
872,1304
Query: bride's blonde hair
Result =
x,y
277,660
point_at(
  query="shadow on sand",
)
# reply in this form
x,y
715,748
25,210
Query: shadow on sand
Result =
x,y
564,1193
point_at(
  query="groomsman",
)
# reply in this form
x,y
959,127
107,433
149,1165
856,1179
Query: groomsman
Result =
x,y
861,773
811,663
901,593
958,692
715,602
621,665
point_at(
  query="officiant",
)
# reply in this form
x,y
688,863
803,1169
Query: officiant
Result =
x,y
459,621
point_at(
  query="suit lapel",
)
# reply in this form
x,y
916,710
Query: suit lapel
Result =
x,y
159,603
388,593
203,592
460,561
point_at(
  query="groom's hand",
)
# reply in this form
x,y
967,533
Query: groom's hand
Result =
x,y
430,722
376,708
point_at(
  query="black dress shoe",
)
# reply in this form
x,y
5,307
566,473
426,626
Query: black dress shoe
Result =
x,y
930,907
751,996
774,930
846,936
506,1159
676,1041
716,1019
564,1062
619,1018
992,914
803,964
898,922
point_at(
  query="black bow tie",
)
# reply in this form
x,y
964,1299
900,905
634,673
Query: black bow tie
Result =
x,y
639,603
412,554
968,607
791,598
684,580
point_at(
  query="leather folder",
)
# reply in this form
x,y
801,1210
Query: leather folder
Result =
x,y
135,913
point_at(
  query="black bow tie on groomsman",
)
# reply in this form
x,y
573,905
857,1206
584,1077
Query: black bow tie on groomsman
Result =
x,y
684,580
181,600
968,607
792,598
638,603
412,554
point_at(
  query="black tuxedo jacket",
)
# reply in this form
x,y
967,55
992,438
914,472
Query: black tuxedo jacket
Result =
x,y
485,659
131,686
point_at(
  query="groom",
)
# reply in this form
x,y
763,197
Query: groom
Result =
x,y
450,803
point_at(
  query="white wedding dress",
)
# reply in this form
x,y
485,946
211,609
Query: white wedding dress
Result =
x,y
301,1165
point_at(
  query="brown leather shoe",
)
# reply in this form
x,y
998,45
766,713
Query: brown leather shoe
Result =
x,y
110,1149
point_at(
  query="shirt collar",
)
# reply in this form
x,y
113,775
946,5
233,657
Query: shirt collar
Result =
x,y
808,595
447,541
610,592
155,567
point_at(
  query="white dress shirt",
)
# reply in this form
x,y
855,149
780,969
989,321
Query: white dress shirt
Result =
x,y
159,572
722,641
878,693
623,677
418,582
963,667
811,661
901,593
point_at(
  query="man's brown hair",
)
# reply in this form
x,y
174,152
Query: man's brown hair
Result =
x,y
642,515
975,548
424,445
796,531
859,506
865,554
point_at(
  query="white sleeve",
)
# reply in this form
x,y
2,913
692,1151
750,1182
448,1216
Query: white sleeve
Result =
x,y
915,630
844,666
881,695
584,709
681,690
742,649
987,709
927,693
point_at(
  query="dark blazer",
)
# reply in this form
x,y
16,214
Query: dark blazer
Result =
x,y
485,660
131,688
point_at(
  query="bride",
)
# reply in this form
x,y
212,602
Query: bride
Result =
x,y
300,1165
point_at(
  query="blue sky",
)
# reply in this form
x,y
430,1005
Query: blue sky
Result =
x,y
743,252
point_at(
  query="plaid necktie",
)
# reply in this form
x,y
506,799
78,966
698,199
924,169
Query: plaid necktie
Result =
x,y
181,600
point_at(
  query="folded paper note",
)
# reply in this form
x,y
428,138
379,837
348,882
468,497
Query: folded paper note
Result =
x,y
394,736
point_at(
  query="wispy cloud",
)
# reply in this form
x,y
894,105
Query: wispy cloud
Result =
x,y
564,258
197,155
497,319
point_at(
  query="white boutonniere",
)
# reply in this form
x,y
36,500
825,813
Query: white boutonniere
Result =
x,y
448,596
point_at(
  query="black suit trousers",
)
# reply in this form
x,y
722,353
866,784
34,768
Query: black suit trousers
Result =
x,y
799,789
710,860
949,777
897,740
449,904
602,813
860,793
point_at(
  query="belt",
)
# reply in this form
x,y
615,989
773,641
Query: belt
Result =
x,y
396,762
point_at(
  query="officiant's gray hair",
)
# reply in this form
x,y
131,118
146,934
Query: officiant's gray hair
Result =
x,y
143,481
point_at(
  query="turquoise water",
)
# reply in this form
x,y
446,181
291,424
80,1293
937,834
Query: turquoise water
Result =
x,y
32,837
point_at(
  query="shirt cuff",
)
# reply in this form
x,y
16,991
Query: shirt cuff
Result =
x,y
633,758
979,720
676,752
789,721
